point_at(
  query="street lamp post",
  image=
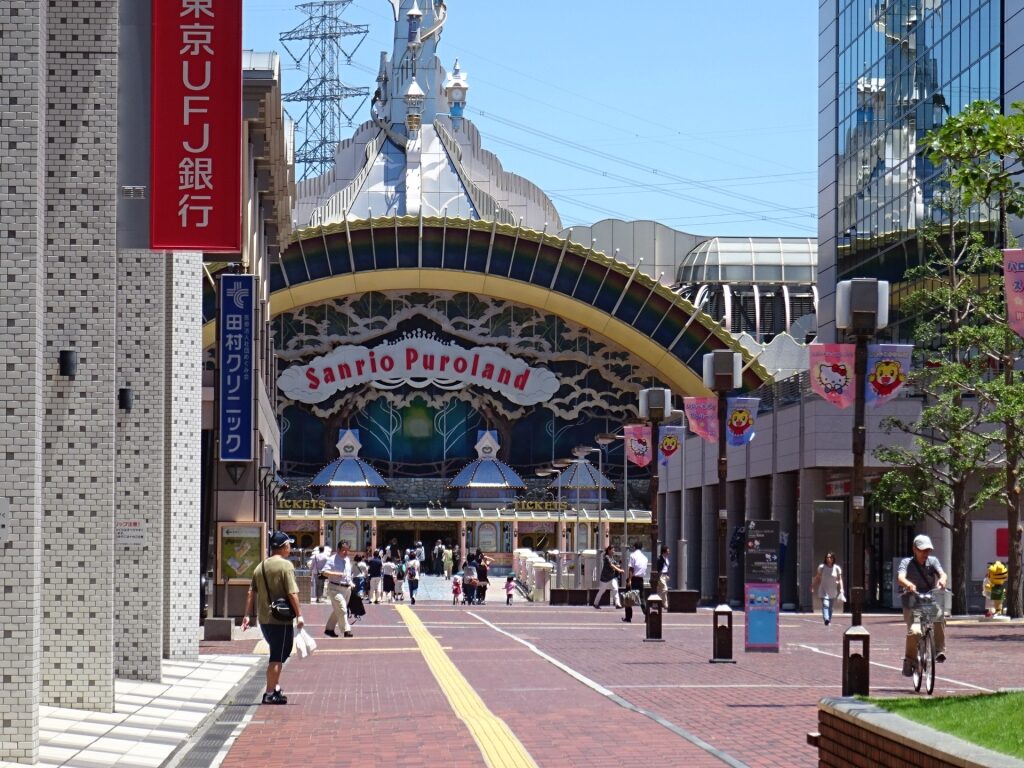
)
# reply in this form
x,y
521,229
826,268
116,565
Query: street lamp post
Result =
x,y
722,372
655,405
547,472
581,451
862,309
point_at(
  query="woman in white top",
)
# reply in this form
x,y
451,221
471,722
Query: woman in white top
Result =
x,y
827,586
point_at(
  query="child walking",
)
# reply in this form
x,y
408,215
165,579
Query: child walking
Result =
x,y
456,590
510,588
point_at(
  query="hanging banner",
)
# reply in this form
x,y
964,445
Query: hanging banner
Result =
x,y
1013,287
831,370
888,365
702,416
235,365
196,135
740,414
670,443
638,444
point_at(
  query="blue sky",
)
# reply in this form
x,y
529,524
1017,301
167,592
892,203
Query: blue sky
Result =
x,y
700,115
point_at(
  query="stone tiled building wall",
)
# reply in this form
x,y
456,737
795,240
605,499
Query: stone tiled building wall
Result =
x,y
182,434
81,301
22,221
139,530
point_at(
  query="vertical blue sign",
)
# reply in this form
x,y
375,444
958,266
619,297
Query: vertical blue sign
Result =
x,y
235,365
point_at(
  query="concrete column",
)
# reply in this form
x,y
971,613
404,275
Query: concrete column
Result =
x,y
709,546
81,308
139,536
693,532
25,357
812,486
182,432
784,510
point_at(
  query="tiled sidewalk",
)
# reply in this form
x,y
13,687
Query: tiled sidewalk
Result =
x,y
150,721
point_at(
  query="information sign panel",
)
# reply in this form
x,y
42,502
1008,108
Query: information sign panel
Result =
x,y
761,602
235,367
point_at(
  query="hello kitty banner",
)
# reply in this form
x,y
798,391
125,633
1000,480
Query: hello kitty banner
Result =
x,y
888,365
831,369
702,416
638,444
740,414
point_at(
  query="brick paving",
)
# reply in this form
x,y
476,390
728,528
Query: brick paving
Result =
x,y
373,698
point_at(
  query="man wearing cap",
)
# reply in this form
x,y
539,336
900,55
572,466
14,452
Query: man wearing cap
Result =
x,y
339,588
919,575
275,575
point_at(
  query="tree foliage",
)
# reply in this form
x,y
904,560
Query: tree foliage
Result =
x,y
969,438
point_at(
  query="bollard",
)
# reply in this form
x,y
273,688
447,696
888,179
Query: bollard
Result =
x,y
856,666
722,639
654,609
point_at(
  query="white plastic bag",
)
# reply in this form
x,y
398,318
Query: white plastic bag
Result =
x,y
300,645
307,640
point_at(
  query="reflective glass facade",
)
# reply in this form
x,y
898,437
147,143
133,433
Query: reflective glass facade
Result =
x,y
903,67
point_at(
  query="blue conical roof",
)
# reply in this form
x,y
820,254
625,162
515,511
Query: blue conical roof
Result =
x,y
349,471
487,473
583,475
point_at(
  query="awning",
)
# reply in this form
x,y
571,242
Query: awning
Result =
x,y
632,516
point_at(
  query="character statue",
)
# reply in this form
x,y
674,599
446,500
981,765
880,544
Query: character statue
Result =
x,y
994,588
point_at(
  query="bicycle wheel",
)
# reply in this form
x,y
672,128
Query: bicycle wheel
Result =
x,y
928,658
919,663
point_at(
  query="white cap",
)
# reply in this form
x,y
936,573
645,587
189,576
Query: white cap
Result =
x,y
922,542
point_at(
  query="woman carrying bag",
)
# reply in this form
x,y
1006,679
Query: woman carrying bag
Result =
x,y
827,587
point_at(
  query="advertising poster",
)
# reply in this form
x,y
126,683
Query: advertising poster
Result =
x,y
761,602
240,548
761,561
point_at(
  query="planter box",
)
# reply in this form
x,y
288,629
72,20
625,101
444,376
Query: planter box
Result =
x,y
683,600
856,733
572,597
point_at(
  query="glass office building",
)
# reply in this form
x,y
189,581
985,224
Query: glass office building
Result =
x,y
890,72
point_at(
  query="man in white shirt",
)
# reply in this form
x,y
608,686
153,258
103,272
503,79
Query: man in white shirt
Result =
x,y
637,573
316,566
338,571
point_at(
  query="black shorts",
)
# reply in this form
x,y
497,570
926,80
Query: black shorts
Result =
x,y
280,638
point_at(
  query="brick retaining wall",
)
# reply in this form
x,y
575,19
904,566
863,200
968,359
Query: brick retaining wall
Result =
x,y
859,734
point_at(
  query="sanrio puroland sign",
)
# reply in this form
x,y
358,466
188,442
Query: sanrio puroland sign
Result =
x,y
417,361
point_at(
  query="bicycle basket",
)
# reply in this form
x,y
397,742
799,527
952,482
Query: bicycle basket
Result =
x,y
931,611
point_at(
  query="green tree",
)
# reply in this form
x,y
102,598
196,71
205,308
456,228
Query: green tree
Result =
x,y
946,473
981,150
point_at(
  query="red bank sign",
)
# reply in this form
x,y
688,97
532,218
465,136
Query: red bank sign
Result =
x,y
196,161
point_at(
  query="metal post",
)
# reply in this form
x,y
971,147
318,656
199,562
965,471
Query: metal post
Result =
x,y
600,500
625,493
723,507
722,616
859,520
655,504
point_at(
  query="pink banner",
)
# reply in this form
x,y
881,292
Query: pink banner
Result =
x,y
831,369
702,416
638,444
670,443
1013,286
741,413
888,365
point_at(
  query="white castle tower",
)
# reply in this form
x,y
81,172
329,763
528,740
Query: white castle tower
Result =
x,y
419,155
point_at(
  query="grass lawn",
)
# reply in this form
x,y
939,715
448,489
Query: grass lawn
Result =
x,y
989,720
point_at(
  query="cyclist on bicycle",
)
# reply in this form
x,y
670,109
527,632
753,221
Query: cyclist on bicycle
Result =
x,y
919,575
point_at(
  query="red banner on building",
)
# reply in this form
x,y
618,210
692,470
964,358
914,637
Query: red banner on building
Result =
x,y
1013,287
196,134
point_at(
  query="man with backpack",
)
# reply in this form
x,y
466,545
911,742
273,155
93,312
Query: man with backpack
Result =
x,y
412,575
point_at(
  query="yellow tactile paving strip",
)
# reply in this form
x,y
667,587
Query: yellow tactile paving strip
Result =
x,y
498,744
